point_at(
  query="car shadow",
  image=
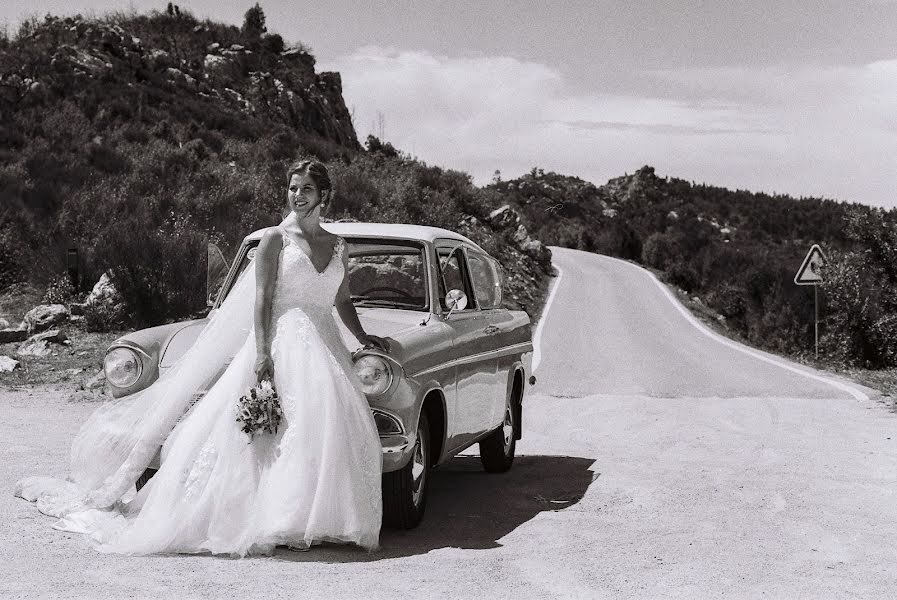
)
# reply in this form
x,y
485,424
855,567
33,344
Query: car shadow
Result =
x,y
471,509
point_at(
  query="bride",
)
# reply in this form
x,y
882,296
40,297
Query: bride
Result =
x,y
316,479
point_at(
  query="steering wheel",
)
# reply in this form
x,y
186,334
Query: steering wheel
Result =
x,y
384,288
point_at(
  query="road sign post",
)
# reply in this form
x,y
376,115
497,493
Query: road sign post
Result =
x,y
809,274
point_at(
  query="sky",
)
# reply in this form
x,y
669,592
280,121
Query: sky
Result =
x,y
796,97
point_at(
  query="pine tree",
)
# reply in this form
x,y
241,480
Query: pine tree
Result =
x,y
254,22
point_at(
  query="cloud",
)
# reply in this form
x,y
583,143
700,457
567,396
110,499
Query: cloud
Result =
x,y
810,131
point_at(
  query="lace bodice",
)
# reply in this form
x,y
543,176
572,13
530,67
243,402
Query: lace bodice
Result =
x,y
300,285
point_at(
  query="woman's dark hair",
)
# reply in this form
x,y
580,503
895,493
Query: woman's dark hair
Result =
x,y
314,169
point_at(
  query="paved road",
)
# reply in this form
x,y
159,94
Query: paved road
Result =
x,y
658,461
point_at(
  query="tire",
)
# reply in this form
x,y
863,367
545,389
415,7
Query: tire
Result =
x,y
497,450
404,498
147,475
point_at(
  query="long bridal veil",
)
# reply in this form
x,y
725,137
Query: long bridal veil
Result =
x,y
118,441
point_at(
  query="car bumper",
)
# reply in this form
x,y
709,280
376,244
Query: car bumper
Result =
x,y
396,450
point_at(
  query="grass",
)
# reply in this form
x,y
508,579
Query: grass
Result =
x,y
57,368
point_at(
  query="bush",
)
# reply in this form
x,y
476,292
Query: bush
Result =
x,y
274,43
103,316
60,291
683,275
158,272
659,250
12,260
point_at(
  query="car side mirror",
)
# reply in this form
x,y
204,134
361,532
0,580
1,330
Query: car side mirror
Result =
x,y
455,300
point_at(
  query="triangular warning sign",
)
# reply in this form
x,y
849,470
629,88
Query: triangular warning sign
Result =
x,y
809,272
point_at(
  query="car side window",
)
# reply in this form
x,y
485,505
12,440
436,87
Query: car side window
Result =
x,y
486,276
453,272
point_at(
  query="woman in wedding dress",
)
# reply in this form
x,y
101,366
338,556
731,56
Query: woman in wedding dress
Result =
x,y
316,479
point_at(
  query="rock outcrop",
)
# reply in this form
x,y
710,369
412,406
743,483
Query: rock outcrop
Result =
x,y
195,58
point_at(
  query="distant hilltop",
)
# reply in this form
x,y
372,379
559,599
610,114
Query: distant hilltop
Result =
x,y
171,59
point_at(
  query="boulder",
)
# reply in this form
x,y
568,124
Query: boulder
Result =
x,y
4,323
34,348
8,364
51,335
504,216
103,291
44,316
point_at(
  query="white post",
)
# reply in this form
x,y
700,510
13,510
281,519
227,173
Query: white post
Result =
x,y
816,316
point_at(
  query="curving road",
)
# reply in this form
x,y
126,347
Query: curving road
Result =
x,y
658,460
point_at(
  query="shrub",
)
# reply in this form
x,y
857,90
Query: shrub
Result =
x,y
158,272
60,290
103,316
12,260
659,250
274,43
683,275
107,159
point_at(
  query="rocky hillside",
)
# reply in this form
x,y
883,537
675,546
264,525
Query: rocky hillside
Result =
x,y
138,139
149,120
159,61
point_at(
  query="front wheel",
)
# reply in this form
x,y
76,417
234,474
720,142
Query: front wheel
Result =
x,y
405,490
497,450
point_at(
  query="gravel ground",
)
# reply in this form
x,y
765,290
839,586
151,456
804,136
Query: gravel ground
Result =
x,y
670,465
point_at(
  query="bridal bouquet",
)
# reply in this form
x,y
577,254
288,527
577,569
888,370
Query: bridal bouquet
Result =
x,y
259,410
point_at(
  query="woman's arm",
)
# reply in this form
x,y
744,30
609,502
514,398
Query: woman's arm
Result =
x,y
346,310
266,259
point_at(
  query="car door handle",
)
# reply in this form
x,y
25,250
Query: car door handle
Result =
x,y
490,330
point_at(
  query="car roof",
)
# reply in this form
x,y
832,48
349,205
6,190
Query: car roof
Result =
x,y
405,231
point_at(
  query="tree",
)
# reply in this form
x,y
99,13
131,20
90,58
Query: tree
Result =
x,y
170,9
254,22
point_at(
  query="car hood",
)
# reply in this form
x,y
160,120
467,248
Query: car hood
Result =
x,y
388,321
383,322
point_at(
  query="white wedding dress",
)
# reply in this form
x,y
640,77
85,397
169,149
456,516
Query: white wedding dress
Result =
x,y
318,478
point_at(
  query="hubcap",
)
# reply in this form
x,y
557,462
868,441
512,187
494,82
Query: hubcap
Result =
x,y
418,469
507,427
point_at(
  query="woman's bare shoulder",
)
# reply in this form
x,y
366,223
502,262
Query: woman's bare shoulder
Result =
x,y
271,243
272,235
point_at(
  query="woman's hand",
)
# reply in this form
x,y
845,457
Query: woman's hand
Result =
x,y
374,341
264,368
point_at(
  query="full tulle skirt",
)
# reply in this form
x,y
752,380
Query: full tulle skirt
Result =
x,y
317,479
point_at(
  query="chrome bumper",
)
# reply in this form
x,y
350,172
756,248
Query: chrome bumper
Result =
x,y
396,452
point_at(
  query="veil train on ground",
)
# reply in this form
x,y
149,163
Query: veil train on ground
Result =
x,y
119,440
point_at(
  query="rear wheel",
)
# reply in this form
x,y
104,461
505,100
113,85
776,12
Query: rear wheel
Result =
x,y
405,490
497,450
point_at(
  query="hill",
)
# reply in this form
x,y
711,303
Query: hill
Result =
x,y
137,139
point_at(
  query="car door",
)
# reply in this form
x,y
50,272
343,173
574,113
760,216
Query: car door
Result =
x,y
486,277
475,366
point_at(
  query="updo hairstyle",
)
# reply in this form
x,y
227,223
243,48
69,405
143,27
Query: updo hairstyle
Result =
x,y
314,169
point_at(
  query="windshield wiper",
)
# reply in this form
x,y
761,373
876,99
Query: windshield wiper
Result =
x,y
384,302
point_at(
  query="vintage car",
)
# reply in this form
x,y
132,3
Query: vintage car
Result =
x,y
457,367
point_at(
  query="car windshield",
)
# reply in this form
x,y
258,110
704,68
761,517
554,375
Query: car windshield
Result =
x,y
382,273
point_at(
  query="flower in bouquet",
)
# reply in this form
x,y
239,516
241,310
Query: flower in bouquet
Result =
x,y
259,410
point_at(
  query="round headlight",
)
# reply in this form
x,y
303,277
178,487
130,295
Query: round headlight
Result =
x,y
122,367
375,374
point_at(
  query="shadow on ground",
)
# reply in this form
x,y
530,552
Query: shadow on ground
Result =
x,y
471,509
